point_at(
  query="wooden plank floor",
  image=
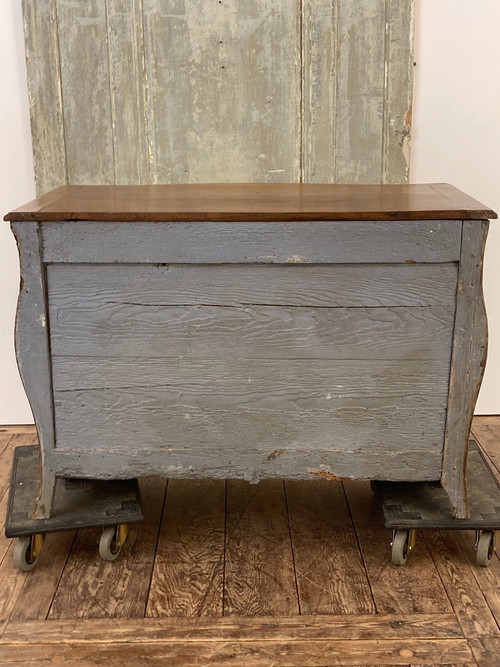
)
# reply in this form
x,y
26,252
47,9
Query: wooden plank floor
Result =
x,y
237,574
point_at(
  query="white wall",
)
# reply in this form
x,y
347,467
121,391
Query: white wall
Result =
x,y
16,187
455,139
456,135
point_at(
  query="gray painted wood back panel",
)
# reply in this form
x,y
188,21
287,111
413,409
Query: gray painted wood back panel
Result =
x,y
347,285
183,90
250,242
221,409
257,332
88,318
136,368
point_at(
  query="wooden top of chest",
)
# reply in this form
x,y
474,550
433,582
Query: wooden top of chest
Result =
x,y
253,202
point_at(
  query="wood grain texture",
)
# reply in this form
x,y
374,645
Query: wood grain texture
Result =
x,y
45,94
311,285
467,363
5,437
243,243
189,564
398,90
293,410
93,588
284,628
87,119
485,650
319,87
223,90
16,438
486,431
252,465
35,599
254,202
259,571
361,62
396,590
12,584
487,578
382,638
265,91
117,330
128,91
331,577
33,354
252,654
469,605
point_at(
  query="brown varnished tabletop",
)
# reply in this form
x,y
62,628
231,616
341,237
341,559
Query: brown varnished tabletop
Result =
x,y
253,202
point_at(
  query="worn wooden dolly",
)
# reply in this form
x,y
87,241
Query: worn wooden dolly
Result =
x,y
408,507
78,503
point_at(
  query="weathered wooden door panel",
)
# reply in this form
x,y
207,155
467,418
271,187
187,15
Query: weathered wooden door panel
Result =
x,y
150,91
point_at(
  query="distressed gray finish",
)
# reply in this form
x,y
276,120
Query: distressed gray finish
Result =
x,y
249,464
255,331
190,91
371,285
221,407
245,242
468,362
32,351
45,94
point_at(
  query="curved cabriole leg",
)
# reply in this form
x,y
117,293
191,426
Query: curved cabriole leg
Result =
x,y
467,363
32,352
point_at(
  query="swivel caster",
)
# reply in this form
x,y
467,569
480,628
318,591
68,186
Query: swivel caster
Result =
x,y
402,543
27,550
112,540
485,546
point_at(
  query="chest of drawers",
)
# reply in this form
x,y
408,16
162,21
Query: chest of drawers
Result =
x,y
252,331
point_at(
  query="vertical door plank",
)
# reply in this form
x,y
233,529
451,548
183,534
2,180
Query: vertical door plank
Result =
x,y
223,90
360,90
128,91
45,100
331,578
93,588
188,571
319,71
398,91
414,588
85,84
259,570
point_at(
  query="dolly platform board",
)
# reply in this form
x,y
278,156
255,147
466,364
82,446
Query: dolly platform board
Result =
x,y
250,331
